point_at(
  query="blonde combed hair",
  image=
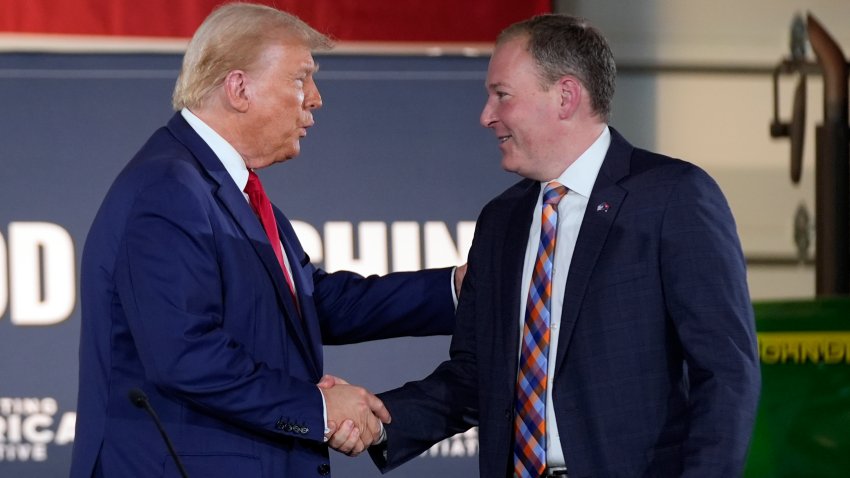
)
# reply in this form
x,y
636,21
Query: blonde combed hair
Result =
x,y
231,38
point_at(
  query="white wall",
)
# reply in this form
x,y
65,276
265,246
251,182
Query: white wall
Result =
x,y
695,84
718,31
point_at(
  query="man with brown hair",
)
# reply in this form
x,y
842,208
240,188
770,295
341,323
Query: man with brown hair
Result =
x,y
605,327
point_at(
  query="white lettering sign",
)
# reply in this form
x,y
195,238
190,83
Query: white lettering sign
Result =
x,y
41,272
41,286
28,426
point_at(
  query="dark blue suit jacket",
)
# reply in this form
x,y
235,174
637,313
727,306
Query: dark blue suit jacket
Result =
x,y
183,297
656,372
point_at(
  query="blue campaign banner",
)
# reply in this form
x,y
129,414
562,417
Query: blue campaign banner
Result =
x,y
391,178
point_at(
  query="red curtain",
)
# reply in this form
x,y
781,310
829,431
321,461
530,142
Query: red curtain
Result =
x,y
355,20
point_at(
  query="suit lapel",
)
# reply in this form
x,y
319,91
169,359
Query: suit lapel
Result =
x,y
241,211
513,257
234,202
602,208
308,323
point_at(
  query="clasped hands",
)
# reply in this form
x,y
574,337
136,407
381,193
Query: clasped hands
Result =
x,y
354,416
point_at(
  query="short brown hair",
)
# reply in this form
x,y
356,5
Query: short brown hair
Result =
x,y
567,45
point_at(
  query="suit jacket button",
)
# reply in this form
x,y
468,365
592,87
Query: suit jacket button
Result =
x,y
508,413
324,469
305,430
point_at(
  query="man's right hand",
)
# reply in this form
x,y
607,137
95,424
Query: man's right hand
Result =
x,y
358,413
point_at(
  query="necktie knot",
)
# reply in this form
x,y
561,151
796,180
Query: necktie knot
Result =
x,y
254,186
553,193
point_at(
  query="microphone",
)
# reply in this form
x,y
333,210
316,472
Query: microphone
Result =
x,y
139,399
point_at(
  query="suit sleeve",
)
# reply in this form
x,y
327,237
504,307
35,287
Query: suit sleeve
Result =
x,y
704,281
444,403
170,288
354,309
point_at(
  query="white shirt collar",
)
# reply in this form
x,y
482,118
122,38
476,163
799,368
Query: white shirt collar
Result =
x,y
580,176
227,154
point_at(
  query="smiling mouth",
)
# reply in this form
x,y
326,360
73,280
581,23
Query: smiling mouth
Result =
x,y
503,139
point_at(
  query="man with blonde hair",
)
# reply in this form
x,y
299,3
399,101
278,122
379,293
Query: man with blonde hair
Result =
x,y
197,297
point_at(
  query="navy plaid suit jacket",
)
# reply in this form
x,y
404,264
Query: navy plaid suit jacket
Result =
x,y
657,368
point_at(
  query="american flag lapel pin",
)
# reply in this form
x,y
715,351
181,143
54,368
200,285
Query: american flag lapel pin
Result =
x,y
603,207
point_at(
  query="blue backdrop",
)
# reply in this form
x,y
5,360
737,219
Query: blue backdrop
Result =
x,y
397,142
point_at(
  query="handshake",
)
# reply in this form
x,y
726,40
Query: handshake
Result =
x,y
355,416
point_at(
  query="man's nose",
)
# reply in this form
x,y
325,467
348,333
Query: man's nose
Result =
x,y
487,117
312,98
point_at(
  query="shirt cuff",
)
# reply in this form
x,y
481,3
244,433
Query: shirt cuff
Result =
x,y
383,437
325,416
454,289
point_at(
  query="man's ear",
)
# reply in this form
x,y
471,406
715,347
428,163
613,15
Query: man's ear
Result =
x,y
236,90
571,92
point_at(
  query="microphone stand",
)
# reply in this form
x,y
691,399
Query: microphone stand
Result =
x,y
139,399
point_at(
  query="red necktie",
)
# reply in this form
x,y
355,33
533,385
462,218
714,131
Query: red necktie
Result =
x,y
530,422
263,209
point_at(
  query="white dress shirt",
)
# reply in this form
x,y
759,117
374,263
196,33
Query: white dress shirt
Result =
x,y
579,178
233,163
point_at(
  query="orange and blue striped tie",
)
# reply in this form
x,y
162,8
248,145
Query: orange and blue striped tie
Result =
x,y
530,422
